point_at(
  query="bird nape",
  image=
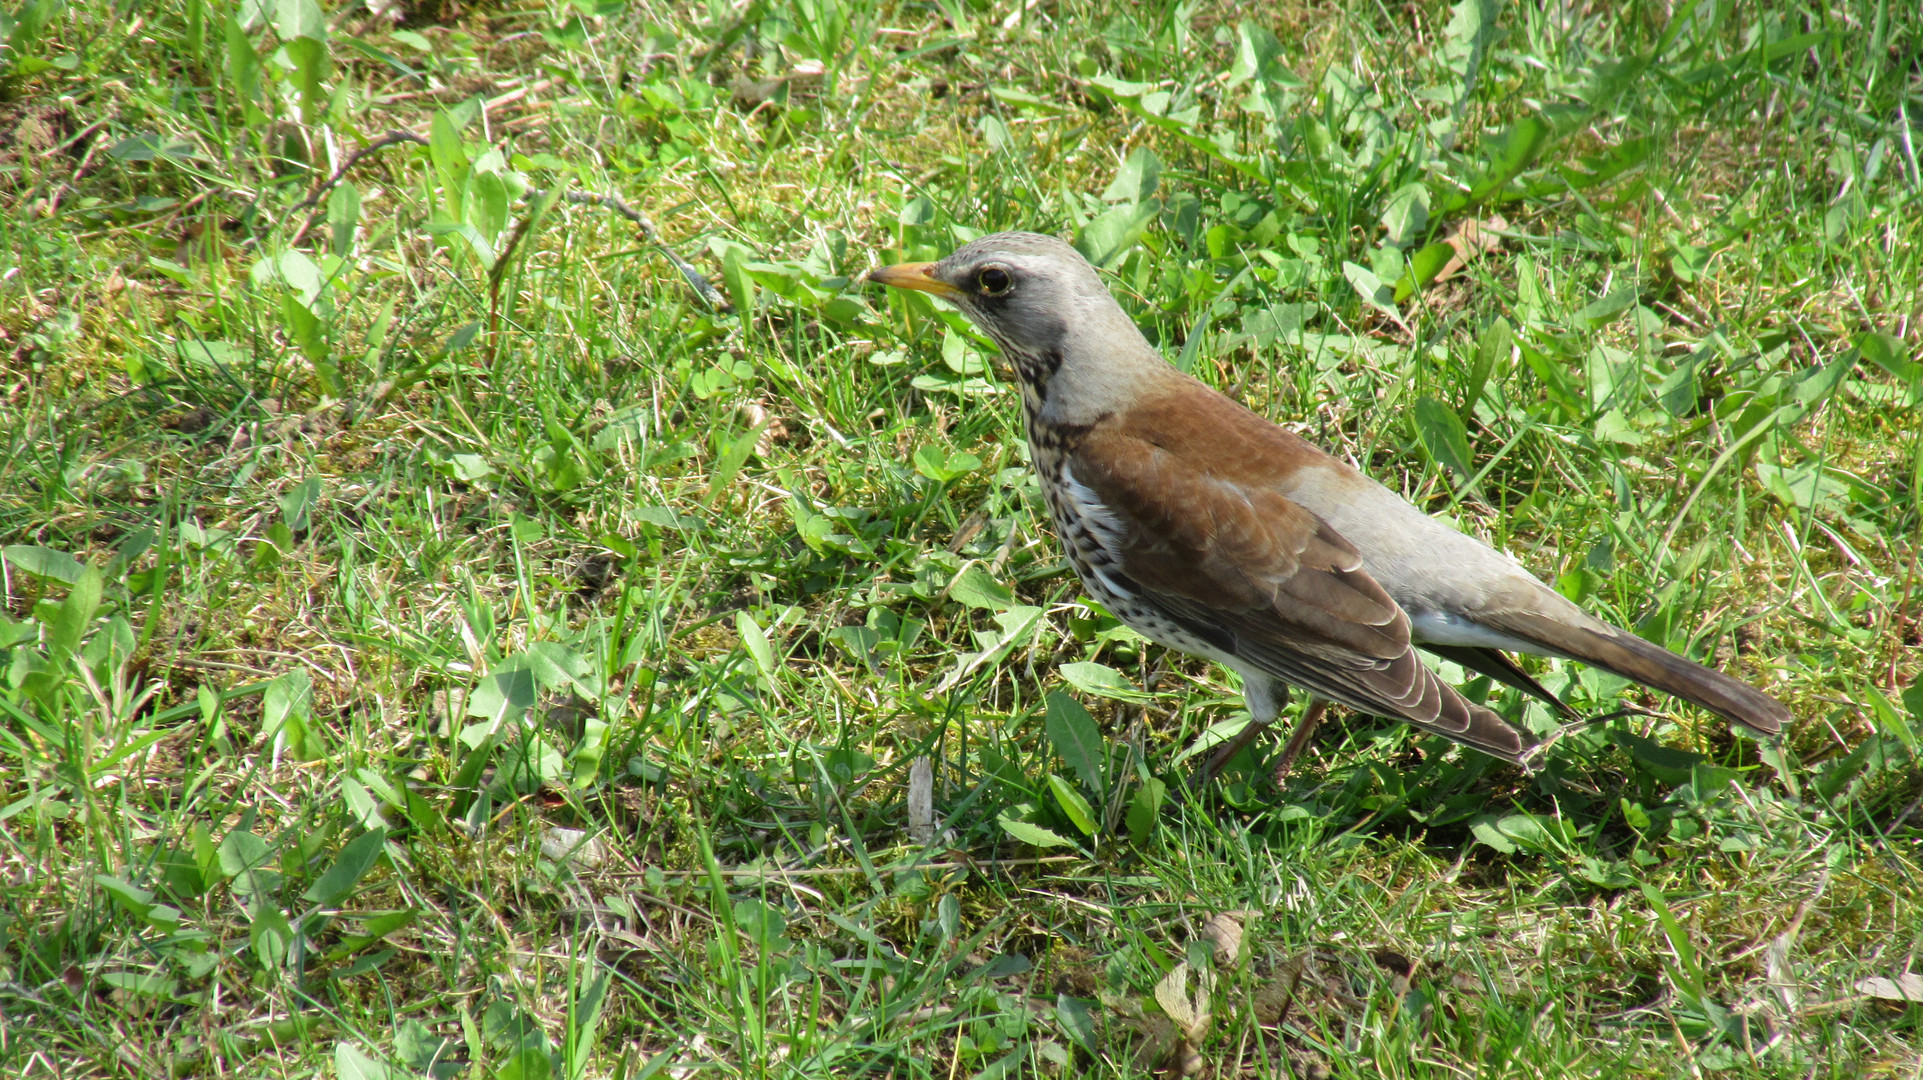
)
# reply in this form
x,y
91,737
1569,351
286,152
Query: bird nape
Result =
x,y
1208,529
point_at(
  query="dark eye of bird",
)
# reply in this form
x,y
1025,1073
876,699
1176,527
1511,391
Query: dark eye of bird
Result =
x,y
993,281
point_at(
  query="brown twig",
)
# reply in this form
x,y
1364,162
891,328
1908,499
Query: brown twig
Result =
x,y
392,138
651,236
842,871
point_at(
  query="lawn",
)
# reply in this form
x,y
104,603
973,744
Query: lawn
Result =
x,y
490,592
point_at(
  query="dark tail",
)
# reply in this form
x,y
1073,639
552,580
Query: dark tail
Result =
x,y
1633,658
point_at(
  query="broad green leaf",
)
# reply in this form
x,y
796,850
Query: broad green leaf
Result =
x,y
462,338
241,851
1608,307
764,924
289,697
1016,624
977,589
844,763
466,112
152,146
134,899
525,529
1102,681
1406,217
487,206
353,863
481,246
1913,700
445,149
382,925
1485,830
1611,79
733,456
1077,1023
301,274
528,1063
505,693
1033,835
1555,380
665,517
1144,807
1531,832
1137,178
1598,169
741,284
959,354
1691,974
1106,239
351,1064
1891,720
44,562
1072,731
243,69
557,667
1424,265
361,806
995,133
299,18
1889,353
755,641
75,613
1072,804
1472,27
270,935
418,1046
1444,436
143,983
1258,55
297,504
343,216
305,328
1672,767
311,68
1371,289
1515,149
937,465
1492,358
919,210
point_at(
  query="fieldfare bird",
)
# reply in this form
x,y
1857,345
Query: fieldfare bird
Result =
x,y
1210,530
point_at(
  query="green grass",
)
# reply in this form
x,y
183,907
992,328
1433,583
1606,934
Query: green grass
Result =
x,y
366,522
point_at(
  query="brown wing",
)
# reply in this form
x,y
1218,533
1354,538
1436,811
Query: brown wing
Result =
x,y
1239,563
1196,424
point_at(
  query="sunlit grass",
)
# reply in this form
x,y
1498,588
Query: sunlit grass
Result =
x,y
441,641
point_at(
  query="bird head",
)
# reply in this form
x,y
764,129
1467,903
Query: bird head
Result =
x,y
1040,301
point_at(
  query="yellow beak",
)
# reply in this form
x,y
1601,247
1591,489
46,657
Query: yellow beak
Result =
x,y
914,276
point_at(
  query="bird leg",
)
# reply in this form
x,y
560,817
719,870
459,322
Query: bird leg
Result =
x,y
1299,738
1228,750
1266,699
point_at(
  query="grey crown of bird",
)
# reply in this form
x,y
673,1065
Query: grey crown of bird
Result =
x,y
1208,529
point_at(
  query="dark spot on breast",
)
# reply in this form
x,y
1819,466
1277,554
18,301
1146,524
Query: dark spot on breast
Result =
x,y
1038,368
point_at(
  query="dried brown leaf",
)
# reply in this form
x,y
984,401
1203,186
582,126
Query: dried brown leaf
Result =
x,y
1223,932
1905,987
1470,238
